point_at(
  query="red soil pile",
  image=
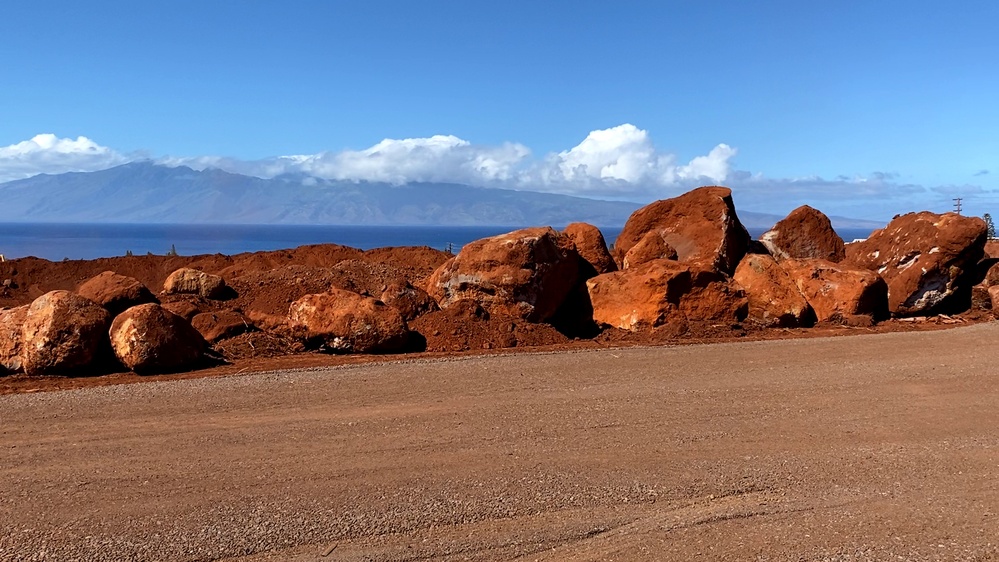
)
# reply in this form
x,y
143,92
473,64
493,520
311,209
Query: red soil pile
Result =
x,y
265,283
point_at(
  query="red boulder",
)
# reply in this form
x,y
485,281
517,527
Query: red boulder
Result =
x,y
115,292
662,291
804,233
410,301
63,334
150,339
713,298
774,298
592,247
346,322
838,292
11,320
639,298
928,260
219,325
652,246
700,225
526,273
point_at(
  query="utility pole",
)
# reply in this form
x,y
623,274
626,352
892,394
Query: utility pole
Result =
x,y
957,205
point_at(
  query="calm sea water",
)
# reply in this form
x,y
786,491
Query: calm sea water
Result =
x,y
89,241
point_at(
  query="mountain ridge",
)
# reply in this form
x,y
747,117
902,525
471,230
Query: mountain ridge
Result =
x,y
145,192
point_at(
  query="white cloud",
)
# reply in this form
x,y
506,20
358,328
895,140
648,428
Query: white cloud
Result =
x,y
440,158
715,166
621,162
618,162
49,154
621,153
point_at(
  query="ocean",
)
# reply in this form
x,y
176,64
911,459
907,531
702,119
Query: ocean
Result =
x,y
89,241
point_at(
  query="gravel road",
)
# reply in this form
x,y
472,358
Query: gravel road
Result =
x,y
880,447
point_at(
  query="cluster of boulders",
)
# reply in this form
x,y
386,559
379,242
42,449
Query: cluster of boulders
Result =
x,y
688,260
109,320
679,265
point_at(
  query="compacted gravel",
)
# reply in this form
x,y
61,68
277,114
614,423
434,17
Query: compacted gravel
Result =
x,y
879,447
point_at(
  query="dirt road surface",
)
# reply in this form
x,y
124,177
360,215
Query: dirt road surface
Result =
x,y
881,447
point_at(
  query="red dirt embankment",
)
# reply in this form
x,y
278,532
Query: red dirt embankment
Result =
x,y
265,283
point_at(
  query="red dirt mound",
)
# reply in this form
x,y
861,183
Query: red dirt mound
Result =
x,y
262,286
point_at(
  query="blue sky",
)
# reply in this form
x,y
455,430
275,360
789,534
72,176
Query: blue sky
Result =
x,y
864,109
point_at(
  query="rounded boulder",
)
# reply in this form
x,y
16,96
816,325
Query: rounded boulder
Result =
x,y
150,339
804,233
115,292
63,334
192,281
411,302
347,322
526,273
591,246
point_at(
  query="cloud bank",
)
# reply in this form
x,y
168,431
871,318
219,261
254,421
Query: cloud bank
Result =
x,y
620,162
49,154
438,158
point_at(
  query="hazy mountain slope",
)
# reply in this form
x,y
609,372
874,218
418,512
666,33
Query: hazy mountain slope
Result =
x,y
144,192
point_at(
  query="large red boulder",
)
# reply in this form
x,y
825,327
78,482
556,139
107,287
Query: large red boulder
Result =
x,y
526,273
195,282
346,322
804,233
928,260
63,334
661,291
774,298
411,302
115,292
592,247
713,298
700,225
11,320
150,339
639,298
652,246
839,292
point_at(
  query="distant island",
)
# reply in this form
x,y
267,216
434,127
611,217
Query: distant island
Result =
x,y
144,192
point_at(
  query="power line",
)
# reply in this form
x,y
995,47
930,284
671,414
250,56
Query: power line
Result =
x,y
957,205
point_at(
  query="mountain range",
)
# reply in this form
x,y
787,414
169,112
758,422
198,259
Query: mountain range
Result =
x,y
145,192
